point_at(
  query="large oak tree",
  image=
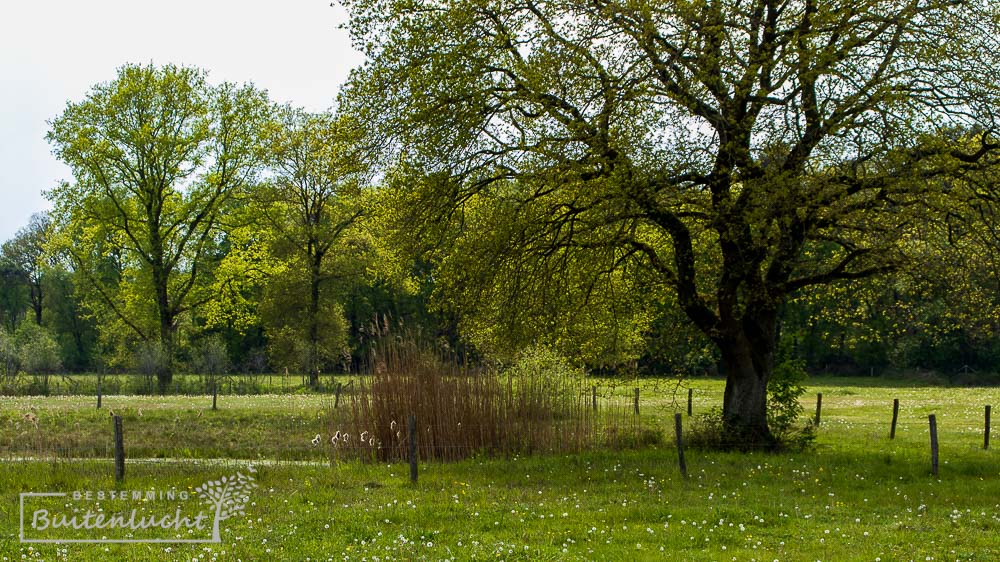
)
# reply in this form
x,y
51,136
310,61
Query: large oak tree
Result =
x,y
156,155
740,150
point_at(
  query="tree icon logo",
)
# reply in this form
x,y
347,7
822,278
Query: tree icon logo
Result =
x,y
227,496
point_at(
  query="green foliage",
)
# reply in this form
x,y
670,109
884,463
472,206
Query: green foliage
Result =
x,y
13,296
708,432
545,364
570,298
210,356
301,338
308,245
786,386
24,256
31,349
70,321
37,349
150,358
10,360
674,346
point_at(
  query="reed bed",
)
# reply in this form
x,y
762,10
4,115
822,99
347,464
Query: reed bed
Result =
x,y
463,411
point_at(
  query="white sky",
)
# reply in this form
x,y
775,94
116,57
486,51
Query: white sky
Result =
x,y
54,51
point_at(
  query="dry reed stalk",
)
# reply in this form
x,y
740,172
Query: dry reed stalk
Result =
x,y
463,411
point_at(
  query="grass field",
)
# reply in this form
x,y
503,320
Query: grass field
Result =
x,y
856,496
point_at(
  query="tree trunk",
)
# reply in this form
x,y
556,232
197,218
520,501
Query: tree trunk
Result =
x,y
36,301
748,357
161,279
314,282
165,372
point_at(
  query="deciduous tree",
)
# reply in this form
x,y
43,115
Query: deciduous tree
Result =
x,y
310,204
156,154
25,252
740,150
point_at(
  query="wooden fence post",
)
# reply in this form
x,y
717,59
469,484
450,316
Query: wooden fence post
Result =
x,y
680,445
986,432
336,399
98,391
934,444
413,448
119,449
215,393
895,416
637,401
593,397
690,395
819,406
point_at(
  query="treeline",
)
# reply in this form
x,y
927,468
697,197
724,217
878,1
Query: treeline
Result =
x,y
207,229
943,316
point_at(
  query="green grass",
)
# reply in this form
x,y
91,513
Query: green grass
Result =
x,y
857,496
249,427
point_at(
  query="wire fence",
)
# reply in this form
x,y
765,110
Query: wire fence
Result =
x,y
929,425
93,384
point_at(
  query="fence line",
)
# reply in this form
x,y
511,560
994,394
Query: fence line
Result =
x,y
433,449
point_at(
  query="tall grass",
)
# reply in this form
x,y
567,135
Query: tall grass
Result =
x,y
464,411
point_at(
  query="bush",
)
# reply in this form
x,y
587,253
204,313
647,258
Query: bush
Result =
x,y
211,357
150,359
783,392
708,431
542,362
783,407
37,349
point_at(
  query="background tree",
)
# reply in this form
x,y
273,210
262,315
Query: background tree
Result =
x,y
14,302
26,253
739,151
310,204
71,323
155,154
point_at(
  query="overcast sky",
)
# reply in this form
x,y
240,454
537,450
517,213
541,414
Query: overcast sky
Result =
x,y
52,52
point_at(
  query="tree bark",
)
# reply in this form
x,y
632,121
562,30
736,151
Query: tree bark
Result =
x,y
748,352
36,300
314,282
165,371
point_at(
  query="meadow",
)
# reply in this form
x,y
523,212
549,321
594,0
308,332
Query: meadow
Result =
x,y
856,495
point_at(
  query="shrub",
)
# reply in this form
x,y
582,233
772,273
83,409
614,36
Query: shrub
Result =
x,y
37,349
541,362
783,392
150,359
783,407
